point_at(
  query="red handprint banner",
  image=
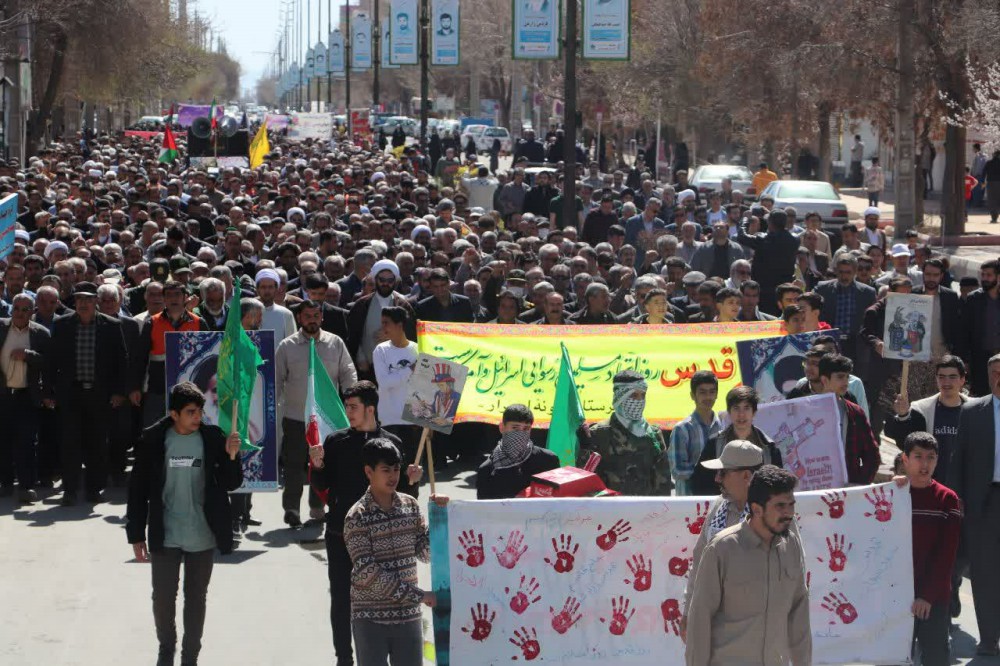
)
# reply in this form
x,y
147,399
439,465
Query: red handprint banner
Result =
x,y
573,581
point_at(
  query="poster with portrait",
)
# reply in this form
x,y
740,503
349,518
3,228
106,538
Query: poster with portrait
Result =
x,y
194,357
774,365
310,70
404,24
606,29
433,393
319,52
335,58
908,327
386,48
445,26
361,41
536,29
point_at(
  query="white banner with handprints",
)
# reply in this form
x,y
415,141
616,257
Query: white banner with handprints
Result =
x,y
574,581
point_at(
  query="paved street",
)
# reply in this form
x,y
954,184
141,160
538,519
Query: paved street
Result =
x,y
75,597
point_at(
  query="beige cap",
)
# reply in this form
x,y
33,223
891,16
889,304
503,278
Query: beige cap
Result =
x,y
738,454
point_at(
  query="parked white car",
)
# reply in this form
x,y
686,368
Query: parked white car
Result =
x,y
708,177
807,196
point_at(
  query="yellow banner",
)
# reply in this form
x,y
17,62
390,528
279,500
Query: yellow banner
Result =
x,y
520,364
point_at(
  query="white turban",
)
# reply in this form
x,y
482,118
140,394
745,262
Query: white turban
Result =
x,y
418,229
872,210
294,210
385,265
267,274
55,245
685,195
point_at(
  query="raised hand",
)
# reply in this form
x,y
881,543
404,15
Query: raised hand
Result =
x,y
513,551
482,622
838,603
607,539
567,617
838,554
882,503
701,513
527,640
522,598
834,501
642,573
565,553
621,613
472,544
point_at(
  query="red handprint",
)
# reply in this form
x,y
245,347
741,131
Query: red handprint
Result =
x,y
620,615
678,566
528,642
565,553
521,600
882,504
564,619
472,543
838,603
701,513
671,609
513,551
834,503
838,554
607,540
642,573
482,622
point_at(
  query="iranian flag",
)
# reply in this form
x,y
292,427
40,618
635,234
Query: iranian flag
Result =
x,y
324,413
168,153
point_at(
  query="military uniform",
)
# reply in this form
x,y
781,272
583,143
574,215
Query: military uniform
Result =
x,y
630,464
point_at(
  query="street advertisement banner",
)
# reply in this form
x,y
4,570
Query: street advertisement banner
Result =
x,y
361,41
310,70
583,581
386,48
194,357
445,28
404,23
186,113
335,59
536,29
304,126
320,55
8,224
606,29
509,364
361,127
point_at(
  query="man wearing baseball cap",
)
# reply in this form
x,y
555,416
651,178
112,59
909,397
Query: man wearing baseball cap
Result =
x,y
733,471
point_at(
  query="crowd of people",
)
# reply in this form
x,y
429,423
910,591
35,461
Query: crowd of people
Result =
x,y
347,246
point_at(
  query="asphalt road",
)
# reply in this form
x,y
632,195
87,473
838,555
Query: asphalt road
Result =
x,y
74,596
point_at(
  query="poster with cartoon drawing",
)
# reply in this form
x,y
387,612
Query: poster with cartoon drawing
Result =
x,y
907,335
433,393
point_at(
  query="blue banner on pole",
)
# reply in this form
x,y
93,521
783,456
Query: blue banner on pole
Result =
x,y
437,523
536,29
361,41
404,24
445,32
8,223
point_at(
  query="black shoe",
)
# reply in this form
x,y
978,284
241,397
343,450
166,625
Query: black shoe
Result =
x,y
956,607
68,499
94,496
118,480
292,519
27,496
984,650
7,491
47,484
253,523
165,658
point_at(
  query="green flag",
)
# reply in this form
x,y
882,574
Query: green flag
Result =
x,y
567,414
237,373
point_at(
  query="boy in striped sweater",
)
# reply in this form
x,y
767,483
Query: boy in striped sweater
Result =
x,y
937,520
385,534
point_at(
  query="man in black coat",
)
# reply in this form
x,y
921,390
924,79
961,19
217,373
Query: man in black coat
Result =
x,y
515,459
89,373
774,257
444,305
980,330
529,148
845,301
184,470
21,396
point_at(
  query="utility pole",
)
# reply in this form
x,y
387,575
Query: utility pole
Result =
x,y
329,51
319,40
905,175
308,31
425,82
348,55
376,52
569,117
299,53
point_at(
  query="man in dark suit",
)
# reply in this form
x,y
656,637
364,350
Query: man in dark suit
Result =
x,y
24,351
353,284
126,420
334,317
879,371
444,305
844,303
642,230
974,474
774,254
89,373
980,329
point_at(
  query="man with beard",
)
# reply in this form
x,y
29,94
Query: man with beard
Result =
x,y
633,453
733,471
515,459
364,321
750,603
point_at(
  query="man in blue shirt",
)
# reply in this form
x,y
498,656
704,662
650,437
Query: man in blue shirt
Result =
x,y
688,437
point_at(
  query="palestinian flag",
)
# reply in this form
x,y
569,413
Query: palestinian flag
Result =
x,y
324,413
168,153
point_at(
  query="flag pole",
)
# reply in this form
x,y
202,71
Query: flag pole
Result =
x,y
236,410
424,436
430,461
